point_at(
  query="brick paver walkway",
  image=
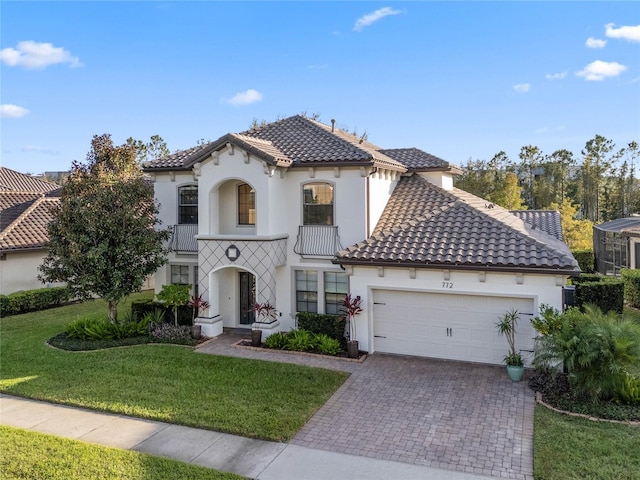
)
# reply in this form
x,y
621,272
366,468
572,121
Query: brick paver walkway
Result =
x,y
450,415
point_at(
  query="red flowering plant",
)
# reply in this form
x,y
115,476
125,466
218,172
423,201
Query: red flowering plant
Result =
x,y
264,312
197,304
351,306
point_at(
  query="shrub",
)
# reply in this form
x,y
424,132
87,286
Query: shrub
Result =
x,y
607,294
585,259
587,277
32,300
300,341
140,309
104,329
278,340
330,325
629,391
327,345
167,332
631,279
549,321
597,351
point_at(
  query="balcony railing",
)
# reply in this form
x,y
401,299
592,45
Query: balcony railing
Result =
x,y
183,239
317,241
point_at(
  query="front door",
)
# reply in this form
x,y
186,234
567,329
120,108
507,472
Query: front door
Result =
x,y
247,297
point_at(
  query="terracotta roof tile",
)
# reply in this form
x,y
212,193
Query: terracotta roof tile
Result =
x,y
546,220
29,229
10,180
417,160
424,224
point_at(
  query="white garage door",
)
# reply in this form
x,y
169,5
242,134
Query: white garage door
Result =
x,y
450,326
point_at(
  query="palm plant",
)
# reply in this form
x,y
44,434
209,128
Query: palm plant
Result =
x,y
351,306
507,326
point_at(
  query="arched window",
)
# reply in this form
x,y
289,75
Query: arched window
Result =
x,y
246,205
317,204
188,204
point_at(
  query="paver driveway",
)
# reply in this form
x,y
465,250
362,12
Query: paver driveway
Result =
x,y
444,414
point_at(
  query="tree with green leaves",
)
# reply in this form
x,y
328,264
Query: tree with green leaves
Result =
x,y
509,194
105,238
156,147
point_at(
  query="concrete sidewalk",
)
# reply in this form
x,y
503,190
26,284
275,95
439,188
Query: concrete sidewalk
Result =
x,y
248,457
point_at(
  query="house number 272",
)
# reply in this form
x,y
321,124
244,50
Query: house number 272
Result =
x,y
447,284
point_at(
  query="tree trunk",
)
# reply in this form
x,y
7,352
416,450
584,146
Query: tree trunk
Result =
x,y
113,311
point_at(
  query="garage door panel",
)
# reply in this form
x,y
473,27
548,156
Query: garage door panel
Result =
x,y
448,326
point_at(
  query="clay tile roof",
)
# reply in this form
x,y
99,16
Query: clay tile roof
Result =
x,y
546,220
29,229
295,141
425,225
10,180
417,160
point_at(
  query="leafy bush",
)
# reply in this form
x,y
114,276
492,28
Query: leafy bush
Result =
x,y
597,351
549,321
588,277
585,259
631,279
278,340
629,391
140,309
103,329
331,325
169,333
607,294
300,341
32,300
327,345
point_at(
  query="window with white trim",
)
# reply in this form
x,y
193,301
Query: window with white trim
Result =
x,y
317,204
246,205
188,204
306,291
180,274
336,287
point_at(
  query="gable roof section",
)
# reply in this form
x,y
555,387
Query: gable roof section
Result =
x,y
424,225
295,141
10,180
546,220
28,227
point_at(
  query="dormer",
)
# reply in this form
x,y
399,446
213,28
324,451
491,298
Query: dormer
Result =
x,y
431,168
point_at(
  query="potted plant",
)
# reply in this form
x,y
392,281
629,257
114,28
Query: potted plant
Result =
x,y
174,296
264,313
197,304
507,326
351,306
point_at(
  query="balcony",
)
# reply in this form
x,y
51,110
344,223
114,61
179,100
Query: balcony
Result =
x,y
183,239
317,241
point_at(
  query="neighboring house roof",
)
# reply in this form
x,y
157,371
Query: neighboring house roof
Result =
x,y
424,225
10,180
546,220
619,224
300,142
25,204
28,227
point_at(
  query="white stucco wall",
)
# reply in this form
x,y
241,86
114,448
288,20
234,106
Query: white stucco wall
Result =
x,y
545,289
19,271
381,185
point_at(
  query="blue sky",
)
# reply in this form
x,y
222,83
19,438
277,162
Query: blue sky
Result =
x,y
460,80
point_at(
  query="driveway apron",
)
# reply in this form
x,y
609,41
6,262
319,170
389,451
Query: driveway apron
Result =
x,y
442,414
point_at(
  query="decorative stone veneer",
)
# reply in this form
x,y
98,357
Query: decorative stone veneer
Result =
x,y
260,256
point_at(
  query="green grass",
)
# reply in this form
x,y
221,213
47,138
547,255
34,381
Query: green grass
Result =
x,y
28,454
173,384
568,448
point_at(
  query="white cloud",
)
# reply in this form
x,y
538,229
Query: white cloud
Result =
x,y
244,98
8,110
42,150
600,70
631,33
30,54
555,76
373,17
522,87
595,43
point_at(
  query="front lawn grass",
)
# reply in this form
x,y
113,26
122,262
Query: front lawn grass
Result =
x,y
568,448
28,454
168,383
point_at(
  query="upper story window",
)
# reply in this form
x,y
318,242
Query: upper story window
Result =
x,y
317,204
188,204
246,205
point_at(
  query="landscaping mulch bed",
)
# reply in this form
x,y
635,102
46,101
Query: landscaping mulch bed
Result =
x,y
246,344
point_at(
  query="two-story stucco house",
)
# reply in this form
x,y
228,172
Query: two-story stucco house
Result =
x,y
298,213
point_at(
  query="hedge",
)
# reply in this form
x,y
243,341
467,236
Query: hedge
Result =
x,y
331,325
631,279
32,300
607,293
586,260
140,309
